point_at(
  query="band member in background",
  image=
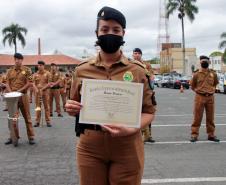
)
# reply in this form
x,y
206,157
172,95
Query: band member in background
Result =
x,y
19,79
63,90
3,87
54,92
41,80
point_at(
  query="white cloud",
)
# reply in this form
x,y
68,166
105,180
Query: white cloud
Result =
x,y
68,25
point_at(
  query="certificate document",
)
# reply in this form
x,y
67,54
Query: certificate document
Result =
x,y
111,102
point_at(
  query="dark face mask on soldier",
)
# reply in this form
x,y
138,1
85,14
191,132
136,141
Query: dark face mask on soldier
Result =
x,y
204,65
110,43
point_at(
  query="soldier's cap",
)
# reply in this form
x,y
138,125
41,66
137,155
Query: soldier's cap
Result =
x,y
40,62
53,64
204,58
108,13
138,50
18,56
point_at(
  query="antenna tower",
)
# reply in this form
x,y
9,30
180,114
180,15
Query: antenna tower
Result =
x,y
163,35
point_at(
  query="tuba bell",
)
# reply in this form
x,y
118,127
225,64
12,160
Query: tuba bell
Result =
x,y
11,99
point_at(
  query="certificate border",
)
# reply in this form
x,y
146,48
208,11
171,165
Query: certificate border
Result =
x,y
84,120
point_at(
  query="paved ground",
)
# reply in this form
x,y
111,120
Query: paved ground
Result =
x,y
171,160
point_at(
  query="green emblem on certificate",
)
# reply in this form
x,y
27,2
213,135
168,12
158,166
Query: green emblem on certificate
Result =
x,y
128,76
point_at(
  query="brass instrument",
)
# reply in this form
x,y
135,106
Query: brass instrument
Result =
x,y
11,99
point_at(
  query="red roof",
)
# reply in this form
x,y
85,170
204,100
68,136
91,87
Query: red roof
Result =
x,y
59,59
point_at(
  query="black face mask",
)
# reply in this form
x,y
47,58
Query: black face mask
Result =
x,y
205,65
110,43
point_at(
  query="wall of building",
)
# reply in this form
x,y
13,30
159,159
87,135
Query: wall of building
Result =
x,y
173,60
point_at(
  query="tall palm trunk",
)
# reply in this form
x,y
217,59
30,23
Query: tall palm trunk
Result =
x,y
183,43
15,45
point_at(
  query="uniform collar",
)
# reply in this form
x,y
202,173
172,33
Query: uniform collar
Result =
x,y
20,69
41,72
98,62
203,70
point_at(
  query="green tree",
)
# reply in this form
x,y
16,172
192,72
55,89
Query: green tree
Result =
x,y
184,7
13,33
222,45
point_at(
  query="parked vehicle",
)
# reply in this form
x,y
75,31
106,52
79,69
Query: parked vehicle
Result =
x,y
220,85
185,81
164,81
174,82
157,79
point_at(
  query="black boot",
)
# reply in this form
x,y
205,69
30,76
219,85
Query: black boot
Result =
x,y
8,142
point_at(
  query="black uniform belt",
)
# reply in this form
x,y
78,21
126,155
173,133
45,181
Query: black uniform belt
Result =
x,y
92,127
55,87
205,94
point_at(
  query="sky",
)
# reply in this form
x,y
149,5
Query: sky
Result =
x,y
68,26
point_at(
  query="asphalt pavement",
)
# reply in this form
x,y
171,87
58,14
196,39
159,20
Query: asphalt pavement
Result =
x,y
171,160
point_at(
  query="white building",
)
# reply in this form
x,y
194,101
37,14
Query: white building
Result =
x,y
216,63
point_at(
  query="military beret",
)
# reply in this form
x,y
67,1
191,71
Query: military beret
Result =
x,y
41,62
203,57
138,50
108,13
53,64
18,56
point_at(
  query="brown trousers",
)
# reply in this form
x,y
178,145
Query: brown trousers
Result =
x,y
24,107
54,93
63,97
106,160
45,101
31,93
201,103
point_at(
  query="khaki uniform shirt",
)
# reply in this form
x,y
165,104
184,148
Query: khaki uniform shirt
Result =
x,y
41,79
94,69
17,78
204,81
54,76
63,81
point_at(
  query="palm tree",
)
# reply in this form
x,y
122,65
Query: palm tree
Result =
x,y
184,7
223,45
12,33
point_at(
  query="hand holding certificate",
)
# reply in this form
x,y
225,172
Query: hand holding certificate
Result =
x,y
111,102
